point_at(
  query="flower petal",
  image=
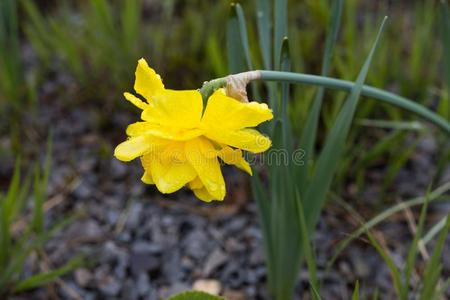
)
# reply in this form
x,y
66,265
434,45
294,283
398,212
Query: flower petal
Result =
x,y
203,194
147,178
169,169
228,113
180,109
147,83
136,101
245,139
133,147
234,157
196,184
165,132
203,157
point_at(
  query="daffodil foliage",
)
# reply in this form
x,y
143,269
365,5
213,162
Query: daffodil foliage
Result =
x,y
181,143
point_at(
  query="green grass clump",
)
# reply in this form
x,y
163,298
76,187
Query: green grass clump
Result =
x,y
97,41
16,246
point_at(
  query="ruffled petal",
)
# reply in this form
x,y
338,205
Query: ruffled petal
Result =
x,y
245,139
133,147
203,194
203,157
147,83
179,109
164,132
196,184
147,177
135,101
169,169
230,114
235,157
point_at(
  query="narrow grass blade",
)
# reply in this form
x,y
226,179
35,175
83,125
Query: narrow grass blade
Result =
x,y
433,231
445,19
245,44
328,161
307,250
7,209
236,57
285,65
130,25
263,14
38,209
309,133
412,253
280,29
433,268
264,209
395,273
44,278
355,295
396,125
243,35
432,196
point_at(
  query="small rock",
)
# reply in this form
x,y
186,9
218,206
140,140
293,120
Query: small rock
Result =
x,y
215,260
83,190
196,244
210,286
362,270
83,277
134,215
129,290
110,286
143,284
87,231
237,224
145,247
256,257
118,169
143,263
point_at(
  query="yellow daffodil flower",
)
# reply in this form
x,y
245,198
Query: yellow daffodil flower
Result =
x,y
179,146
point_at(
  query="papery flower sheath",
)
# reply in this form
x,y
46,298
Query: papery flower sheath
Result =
x,y
179,146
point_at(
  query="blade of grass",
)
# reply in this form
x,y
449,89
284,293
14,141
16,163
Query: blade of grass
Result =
x,y
263,13
280,29
6,212
327,163
445,20
396,125
285,65
413,249
236,58
433,231
245,44
264,209
432,196
309,254
43,278
355,295
433,268
309,133
395,273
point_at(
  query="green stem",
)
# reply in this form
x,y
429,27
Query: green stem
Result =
x,y
368,91
332,83
210,86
